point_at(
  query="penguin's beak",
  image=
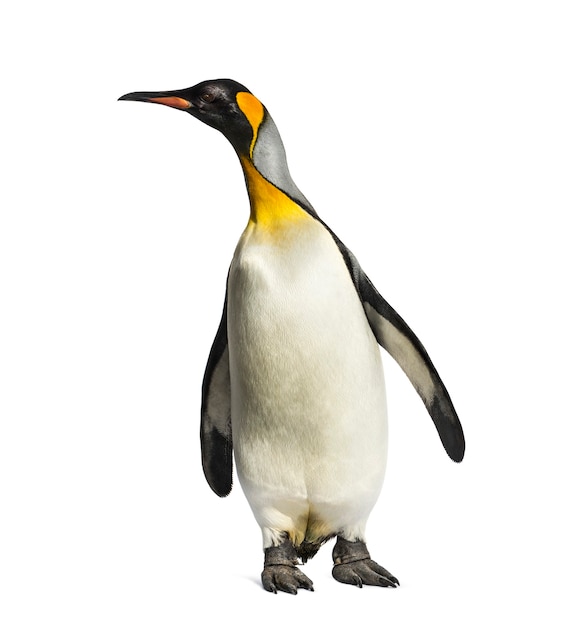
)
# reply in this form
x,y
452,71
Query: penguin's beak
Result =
x,y
168,98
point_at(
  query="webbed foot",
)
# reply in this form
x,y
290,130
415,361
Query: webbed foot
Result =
x,y
280,572
286,578
353,566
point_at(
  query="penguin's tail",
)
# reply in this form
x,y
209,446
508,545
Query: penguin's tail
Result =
x,y
307,549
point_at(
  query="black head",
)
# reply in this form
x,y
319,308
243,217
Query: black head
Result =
x,y
223,104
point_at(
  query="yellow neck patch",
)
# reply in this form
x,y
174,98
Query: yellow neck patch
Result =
x,y
254,112
269,207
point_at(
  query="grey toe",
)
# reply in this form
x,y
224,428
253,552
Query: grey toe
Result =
x,y
285,578
365,572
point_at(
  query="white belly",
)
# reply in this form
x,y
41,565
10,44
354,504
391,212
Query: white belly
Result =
x,y
308,398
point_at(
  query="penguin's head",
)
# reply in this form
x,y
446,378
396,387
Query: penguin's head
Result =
x,y
223,104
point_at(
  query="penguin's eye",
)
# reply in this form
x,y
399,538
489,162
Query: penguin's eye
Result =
x,y
208,96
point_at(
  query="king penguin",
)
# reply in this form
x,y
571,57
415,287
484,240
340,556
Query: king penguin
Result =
x,y
294,386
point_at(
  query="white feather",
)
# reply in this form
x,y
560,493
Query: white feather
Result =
x,y
308,399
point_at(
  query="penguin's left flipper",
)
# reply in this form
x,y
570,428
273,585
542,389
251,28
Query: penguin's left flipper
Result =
x,y
397,338
216,425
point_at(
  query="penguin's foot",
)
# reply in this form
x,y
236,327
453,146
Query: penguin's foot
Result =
x,y
353,566
280,572
286,578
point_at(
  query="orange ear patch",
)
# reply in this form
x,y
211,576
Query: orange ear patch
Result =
x,y
254,112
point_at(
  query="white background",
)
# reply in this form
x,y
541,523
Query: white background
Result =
x,y
438,140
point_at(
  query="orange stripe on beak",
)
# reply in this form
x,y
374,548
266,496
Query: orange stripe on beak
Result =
x,y
172,101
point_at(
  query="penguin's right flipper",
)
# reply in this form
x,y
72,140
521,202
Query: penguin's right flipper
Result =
x,y
216,426
398,339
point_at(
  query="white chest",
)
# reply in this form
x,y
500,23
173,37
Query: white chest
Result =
x,y
300,344
308,397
